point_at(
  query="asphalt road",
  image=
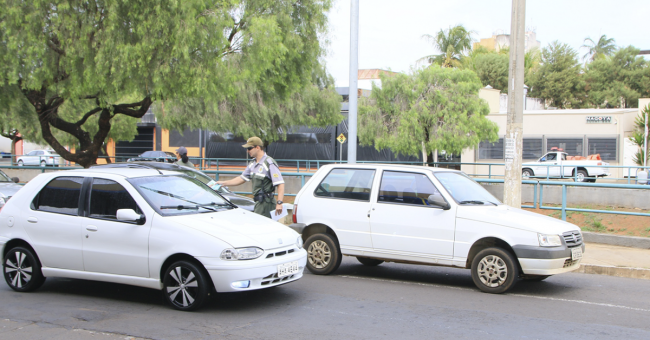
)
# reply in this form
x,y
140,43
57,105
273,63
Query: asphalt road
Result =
x,y
391,301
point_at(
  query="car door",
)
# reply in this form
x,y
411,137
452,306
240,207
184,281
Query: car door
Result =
x,y
402,222
111,246
54,225
342,201
30,158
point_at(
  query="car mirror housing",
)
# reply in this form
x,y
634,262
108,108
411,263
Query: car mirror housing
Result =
x,y
438,200
15,179
130,215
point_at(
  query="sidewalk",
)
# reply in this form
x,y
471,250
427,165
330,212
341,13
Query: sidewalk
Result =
x,y
614,260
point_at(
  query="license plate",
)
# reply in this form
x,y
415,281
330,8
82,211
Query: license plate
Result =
x,y
576,253
287,269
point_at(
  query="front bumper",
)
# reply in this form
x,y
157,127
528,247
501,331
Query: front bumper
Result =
x,y
546,260
261,272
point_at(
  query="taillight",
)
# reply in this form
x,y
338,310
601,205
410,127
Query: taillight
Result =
x,y
600,163
295,211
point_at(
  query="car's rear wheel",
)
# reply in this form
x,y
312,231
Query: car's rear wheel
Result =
x,y
494,270
323,254
369,262
581,176
43,163
526,174
534,278
22,270
186,286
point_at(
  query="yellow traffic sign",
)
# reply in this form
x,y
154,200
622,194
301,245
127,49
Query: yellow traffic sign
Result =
x,y
341,138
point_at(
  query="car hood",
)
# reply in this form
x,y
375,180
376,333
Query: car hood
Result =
x,y
240,228
507,216
9,189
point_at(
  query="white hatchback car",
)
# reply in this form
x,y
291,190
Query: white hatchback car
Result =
x,y
432,216
39,157
142,227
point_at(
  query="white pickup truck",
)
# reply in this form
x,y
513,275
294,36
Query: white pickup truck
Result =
x,y
555,165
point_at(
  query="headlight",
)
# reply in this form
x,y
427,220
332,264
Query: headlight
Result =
x,y
549,240
241,253
299,242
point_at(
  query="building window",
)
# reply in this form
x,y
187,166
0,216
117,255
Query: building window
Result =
x,y
572,146
487,150
605,147
532,148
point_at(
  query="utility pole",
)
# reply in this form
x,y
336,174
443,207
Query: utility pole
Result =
x,y
515,119
354,75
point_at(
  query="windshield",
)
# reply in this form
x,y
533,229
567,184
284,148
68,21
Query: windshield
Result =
x,y
205,179
464,189
4,177
178,195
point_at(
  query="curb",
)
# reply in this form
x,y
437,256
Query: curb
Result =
x,y
633,273
616,240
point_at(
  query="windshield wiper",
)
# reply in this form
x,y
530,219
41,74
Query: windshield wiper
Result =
x,y
476,202
196,207
180,207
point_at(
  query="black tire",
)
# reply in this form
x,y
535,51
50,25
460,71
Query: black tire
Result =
x,y
186,286
369,262
534,278
22,270
43,163
323,254
20,163
582,176
494,270
527,173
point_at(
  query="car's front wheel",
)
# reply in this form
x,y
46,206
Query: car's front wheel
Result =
x,y
369,262
494,270
323,254
186,286
22,270
20,163
526,174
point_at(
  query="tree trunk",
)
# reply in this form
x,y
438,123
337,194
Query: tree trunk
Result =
x,y
105,151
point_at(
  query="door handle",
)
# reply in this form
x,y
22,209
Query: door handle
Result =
x,y
32,219
91,228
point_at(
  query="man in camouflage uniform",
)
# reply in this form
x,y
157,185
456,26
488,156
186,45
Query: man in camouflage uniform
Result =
x,y
264,174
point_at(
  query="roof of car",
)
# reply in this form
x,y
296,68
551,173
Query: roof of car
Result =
x,y
388,166
119,171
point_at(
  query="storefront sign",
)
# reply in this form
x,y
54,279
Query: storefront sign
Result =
x,y
599,119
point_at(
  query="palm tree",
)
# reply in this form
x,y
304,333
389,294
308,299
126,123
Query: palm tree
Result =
x,y
452,43
604,47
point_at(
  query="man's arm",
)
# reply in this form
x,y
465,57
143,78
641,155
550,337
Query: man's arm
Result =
x,y
278,207
234,181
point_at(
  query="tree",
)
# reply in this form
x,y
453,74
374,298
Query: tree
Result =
x,y
639,136
604,47
492,69
618,81
430,109
452,43
558,79
86,65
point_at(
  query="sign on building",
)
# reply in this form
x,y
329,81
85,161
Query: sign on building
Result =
x,y
599,119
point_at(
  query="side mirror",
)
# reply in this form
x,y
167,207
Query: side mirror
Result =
x,y
15,179
130,215
439,201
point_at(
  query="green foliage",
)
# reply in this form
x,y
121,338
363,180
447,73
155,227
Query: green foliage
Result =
x,y
453,43
100,63
435,108
558,79
618,81
492,69
639,136
603,48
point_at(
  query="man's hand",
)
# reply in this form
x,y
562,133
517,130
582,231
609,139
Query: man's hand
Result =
x,y
278,209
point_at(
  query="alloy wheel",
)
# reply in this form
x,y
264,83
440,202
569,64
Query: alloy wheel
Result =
x,y
18,268
319,254
183,289
492,271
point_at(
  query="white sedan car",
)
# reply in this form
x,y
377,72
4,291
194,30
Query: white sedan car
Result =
x,y
39,157
142,227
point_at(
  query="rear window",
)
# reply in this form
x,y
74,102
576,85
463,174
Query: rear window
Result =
x,y
353,184
61,196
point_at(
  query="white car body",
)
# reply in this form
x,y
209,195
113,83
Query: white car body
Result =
x,y
82,247
424,234
556,165
39,158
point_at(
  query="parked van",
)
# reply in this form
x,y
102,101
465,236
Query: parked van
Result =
x,y
433,216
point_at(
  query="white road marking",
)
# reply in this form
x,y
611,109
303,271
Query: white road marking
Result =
x,y
518,295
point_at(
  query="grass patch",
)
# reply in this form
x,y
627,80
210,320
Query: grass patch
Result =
x,y
598,225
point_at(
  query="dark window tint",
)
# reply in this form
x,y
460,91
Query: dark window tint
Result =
x,y
572,146
605,147
106,197
532,148
60,196
352,184
405,187
487,150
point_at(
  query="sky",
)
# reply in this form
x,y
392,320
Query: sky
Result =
x,y
390,31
